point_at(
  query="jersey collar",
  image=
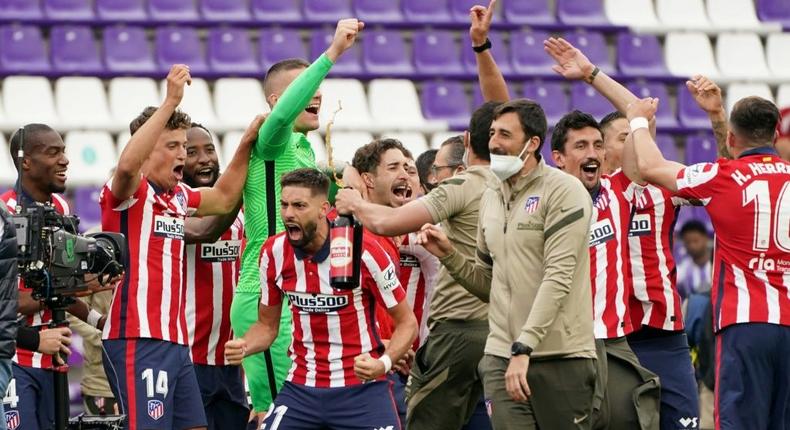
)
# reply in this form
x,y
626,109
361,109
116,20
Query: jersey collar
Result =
x,y
26,199
319,256
763,150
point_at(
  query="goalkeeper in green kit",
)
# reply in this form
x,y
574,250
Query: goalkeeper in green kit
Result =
x,y
291,89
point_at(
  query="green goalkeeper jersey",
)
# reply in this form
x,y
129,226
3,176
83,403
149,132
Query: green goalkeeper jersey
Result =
x,y
288,151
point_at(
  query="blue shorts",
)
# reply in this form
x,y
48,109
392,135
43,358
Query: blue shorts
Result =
x,y
668,357
30,399
753,377
358,407
224,399
155,383
399,393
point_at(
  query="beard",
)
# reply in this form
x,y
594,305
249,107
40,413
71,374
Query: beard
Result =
x,y
308,234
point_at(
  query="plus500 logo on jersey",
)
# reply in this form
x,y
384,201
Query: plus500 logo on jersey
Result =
x,y
601,232
640,225
318,303
221,250
172,228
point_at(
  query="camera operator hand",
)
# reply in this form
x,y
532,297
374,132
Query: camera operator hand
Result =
x,y
55,340
95,286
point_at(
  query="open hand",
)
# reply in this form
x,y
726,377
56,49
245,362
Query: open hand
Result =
x,y
706,93
571,62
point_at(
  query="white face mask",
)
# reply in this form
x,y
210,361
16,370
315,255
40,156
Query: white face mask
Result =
x,y
505,166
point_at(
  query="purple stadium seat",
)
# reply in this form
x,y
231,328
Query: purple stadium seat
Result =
x,y
20,10
665,117
384,53
586,99
349,63
22,50
126,50
459,10
86,203
230,52
533,12
180,45
689,113
640,55
68,10
278,44
594,47
774,10
436,52
225,10
701,149
173,11
121,10
666,143
446,100
276,11
73,50
551,96
378,11
499,50
584,13
326,10
426,11
528,56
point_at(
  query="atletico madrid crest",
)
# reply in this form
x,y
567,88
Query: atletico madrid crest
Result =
x,y
156,409
532,204
12,420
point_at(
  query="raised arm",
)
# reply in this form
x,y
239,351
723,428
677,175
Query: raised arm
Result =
x,y
708,97
380,219
653,167
225,195
492,83
276,132
208,229
126,178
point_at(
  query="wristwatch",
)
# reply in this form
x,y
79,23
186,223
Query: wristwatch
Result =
x,y
518,348
483,47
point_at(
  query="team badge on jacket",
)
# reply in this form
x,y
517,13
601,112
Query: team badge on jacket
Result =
x,y
12,420
532,204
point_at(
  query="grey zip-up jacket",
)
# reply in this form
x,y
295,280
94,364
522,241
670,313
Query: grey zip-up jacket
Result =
x,y
532,251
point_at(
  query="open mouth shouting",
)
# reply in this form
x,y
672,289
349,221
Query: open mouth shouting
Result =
x,y
294,231
402,191
178,172
313,108
590,170
206,174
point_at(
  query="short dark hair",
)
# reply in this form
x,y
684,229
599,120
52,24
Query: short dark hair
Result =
x,y
754,119
313,179
456,156
575,120
693,226
480,129
368,157
282,66
200,126
424,163
31,136
531,117
178,120
611,117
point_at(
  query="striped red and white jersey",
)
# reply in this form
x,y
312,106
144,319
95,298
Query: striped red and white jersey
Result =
x,y
748,201
609,259
211,272
655,301
383,320
330,326
24,357
150,302
419,270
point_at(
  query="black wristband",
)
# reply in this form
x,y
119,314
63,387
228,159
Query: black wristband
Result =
x,y
27,338
483,47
